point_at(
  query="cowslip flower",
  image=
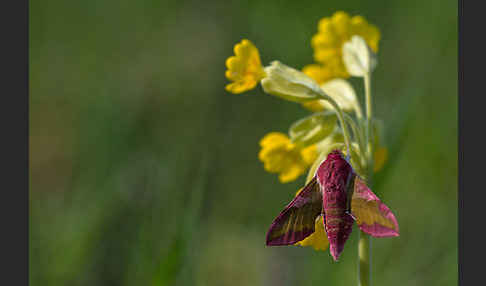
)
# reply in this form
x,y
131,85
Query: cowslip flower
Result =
x,y
280,155
328,43
334,197
333,33
338,197
244,69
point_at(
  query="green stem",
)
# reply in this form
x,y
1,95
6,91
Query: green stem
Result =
x,y
357,110
364,243
369,117
344,127
357,134
364,267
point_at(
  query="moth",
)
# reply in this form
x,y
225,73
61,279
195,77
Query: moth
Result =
x,y
338,196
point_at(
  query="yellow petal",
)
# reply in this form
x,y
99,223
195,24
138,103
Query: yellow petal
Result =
x,y
244,69
319,73
318,240
279,155
290,174
323,55
275,161
341,23
309,154
239,87
274,138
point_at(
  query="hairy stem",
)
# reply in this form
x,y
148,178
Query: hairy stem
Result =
x,y
364,265
369,117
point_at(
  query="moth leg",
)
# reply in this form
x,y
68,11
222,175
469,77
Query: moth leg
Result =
x,y
351,214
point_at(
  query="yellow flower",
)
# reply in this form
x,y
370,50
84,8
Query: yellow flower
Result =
x,y
280,155
245,69
332,33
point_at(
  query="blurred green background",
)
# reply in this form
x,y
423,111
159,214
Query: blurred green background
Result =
x,y
144,171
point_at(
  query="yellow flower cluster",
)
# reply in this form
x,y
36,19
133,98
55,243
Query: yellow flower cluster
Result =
x,y
280,155
245,69
332,33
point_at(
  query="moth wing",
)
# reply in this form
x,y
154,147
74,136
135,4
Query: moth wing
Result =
x,y
297,220
372,216
318,240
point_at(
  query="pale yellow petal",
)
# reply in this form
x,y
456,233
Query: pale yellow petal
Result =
x,y
318,240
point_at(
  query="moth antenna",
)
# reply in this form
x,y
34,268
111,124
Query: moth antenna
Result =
x,y
348,153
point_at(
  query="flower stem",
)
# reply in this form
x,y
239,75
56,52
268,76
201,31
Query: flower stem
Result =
x,y
369,117
357,135
364,243
339,112
364,266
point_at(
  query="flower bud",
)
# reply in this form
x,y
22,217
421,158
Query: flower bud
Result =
x,y
358,58
289,83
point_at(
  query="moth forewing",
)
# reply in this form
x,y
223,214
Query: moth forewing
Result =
x,y
297,220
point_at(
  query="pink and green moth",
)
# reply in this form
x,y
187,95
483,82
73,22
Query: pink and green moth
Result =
x,y
340,197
